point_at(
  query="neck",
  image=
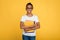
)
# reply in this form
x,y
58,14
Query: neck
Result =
x,y
29,14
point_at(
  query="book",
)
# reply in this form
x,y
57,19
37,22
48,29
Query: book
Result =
x,y
29,23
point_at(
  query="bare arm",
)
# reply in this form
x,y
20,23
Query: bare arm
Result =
x,y
22,26
35,26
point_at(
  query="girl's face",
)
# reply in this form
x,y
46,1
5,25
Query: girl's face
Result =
x,y
29,9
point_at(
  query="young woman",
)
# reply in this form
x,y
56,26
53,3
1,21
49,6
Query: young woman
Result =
x,y
29,16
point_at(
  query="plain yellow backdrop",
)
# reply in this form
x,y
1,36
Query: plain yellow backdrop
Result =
x,y
46,10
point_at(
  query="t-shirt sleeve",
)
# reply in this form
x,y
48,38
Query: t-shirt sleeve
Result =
x,y
36,19
22,19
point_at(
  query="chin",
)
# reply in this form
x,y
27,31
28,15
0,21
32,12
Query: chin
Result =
x,y
29,12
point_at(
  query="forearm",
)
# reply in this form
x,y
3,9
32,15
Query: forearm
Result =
x,y
34,28
23,27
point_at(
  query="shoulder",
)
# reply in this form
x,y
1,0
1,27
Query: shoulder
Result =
x,y
35,16
23,16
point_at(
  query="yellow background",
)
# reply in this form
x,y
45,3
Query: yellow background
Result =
x,y
47,11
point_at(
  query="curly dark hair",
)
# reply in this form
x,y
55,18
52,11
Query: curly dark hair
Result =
x,y
29,4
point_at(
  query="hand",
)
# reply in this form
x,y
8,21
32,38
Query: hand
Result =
x,y
32,26
26,30
29,28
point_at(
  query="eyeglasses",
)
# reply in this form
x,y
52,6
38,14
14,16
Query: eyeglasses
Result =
x,y
29,8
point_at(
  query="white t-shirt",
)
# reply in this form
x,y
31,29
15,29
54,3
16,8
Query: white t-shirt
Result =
x,y
33,18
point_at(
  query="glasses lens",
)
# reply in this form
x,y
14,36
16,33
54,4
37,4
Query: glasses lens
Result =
x,y
29,8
